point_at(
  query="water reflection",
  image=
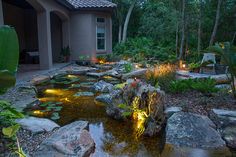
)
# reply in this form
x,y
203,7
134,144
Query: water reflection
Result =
x,y
170,151
112,138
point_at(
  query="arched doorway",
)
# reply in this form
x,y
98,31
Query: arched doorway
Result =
x,y
23,17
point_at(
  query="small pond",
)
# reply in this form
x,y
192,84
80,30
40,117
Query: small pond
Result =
x,y
69,98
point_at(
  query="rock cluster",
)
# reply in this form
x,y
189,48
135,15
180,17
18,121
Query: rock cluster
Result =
x,y
137,96
71,140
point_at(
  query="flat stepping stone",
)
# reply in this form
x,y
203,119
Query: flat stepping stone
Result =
x,y
37,125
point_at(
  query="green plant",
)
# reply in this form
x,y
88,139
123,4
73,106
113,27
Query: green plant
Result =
x,y
206,85
142,49
65,51
53,108
9,54
128,67
228,54
194,66
9,127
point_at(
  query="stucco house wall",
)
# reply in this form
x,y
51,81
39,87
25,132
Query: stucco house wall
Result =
x,y
83,34
77,29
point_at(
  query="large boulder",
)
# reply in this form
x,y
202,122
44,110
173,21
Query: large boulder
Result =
x,y
102,86
72,140
37,125
192,130
226,123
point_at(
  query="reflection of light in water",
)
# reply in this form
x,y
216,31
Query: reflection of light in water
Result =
x,y
97,132
55,91
198,153
47,99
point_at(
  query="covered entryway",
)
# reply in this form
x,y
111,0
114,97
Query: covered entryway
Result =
x,y
42,28
23,17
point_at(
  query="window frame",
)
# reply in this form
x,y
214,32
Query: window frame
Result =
x,y
101,25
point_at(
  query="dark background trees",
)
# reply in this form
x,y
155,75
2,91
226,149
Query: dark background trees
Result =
x,y
187,33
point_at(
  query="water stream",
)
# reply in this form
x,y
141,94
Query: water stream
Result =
x,y
112,137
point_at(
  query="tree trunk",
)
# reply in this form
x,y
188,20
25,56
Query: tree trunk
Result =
x,y
177,39
216,23
233,38
199,29
183,31
124,37
120,33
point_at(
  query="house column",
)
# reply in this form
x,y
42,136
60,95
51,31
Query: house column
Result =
x,y
44,39
1,14
66,33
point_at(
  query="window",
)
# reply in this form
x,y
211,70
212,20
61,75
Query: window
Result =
x,y
101,39
100,20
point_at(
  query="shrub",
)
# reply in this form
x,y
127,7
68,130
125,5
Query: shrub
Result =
x,y
202,85
128,67
141,49
162,75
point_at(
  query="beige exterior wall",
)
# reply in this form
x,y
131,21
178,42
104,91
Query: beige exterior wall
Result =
x,y
83,34
78,30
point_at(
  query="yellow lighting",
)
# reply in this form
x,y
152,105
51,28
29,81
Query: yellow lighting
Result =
x,y
184,65
107,77
66,99
38,112
71,76
136,66
54,91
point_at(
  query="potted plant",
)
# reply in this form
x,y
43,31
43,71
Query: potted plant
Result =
x,y
65,53
194,67
84,60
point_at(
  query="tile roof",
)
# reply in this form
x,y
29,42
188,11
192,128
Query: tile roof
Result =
x,y
76,4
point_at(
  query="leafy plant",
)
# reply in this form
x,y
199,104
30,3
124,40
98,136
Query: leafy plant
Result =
x,y
194,66
228,54
128,67
8,115
9,54
65,51
202,85
53,108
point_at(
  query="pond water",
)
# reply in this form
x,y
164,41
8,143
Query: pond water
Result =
x,y
112,138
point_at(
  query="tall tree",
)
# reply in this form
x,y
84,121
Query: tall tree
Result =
x,y
199,27
181,50
131,8
216,23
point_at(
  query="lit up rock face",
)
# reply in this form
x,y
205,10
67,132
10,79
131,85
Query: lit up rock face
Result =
x,y
139,100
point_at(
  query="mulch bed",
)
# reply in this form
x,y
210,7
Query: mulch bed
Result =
x,y
199,103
